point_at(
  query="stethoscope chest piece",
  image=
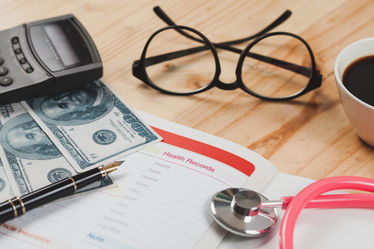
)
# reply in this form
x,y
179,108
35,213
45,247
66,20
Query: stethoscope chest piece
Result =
x,y
239,211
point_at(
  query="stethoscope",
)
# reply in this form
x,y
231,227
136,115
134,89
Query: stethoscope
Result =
x,y
248,213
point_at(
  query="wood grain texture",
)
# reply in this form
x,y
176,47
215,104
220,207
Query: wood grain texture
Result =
x,y
309,137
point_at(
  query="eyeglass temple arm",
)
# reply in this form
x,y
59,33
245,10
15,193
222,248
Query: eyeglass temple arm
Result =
x,y
225,45
161,14
177,54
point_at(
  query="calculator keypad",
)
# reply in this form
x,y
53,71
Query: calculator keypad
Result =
x,y
20,56
5,79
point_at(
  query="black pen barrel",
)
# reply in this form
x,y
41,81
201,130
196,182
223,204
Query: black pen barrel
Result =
x,y
87,177
7,211
19,205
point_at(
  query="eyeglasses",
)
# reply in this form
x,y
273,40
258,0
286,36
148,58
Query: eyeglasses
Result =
x,y
179,60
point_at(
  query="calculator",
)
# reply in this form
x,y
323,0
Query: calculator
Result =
x,y
46,57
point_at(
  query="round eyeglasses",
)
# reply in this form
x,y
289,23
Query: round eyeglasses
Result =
x,y
180,60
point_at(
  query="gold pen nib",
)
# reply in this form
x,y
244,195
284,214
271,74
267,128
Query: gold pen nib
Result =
x,y
111,167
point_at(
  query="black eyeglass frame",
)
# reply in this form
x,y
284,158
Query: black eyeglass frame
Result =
x,y
139,66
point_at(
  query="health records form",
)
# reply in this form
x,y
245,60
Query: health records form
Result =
x,y
161,198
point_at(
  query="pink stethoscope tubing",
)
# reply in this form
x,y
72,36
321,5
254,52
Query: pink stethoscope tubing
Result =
x,y
336,201
311,196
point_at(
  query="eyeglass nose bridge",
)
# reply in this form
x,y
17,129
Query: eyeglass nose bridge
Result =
x,y
219,83
227,86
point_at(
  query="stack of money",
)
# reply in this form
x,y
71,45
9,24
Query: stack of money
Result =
x,y
46,139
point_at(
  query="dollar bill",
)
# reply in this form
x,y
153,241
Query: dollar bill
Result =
x,y
91,126
31,161
6,191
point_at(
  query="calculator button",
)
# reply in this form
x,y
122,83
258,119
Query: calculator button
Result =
x,y
3,71
15,40
29,70
27,67
1,61
16,46
19,56
6,81
18,51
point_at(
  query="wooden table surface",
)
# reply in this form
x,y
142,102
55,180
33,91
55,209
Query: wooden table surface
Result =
x,y
310,137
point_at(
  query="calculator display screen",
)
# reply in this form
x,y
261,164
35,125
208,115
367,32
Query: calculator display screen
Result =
x,y
59,45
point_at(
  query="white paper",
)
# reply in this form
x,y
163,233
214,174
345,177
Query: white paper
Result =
x,y
161,201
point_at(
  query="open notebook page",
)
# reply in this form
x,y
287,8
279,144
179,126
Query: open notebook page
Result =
x,y
161,198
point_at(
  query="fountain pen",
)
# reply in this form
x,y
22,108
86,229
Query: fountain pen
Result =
x,y
18,206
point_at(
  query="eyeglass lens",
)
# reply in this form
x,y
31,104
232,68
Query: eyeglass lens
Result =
x,y
270,79
186,73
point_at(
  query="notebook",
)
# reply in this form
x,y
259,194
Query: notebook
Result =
x,y
161,199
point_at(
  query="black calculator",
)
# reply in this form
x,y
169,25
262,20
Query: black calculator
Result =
x,y
46,57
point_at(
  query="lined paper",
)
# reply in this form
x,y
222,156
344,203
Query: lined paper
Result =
x,y
161,201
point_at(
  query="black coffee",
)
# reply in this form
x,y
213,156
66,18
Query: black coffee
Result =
x,y
358,78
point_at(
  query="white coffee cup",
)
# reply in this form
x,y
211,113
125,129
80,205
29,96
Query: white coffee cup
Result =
x,y
359,113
